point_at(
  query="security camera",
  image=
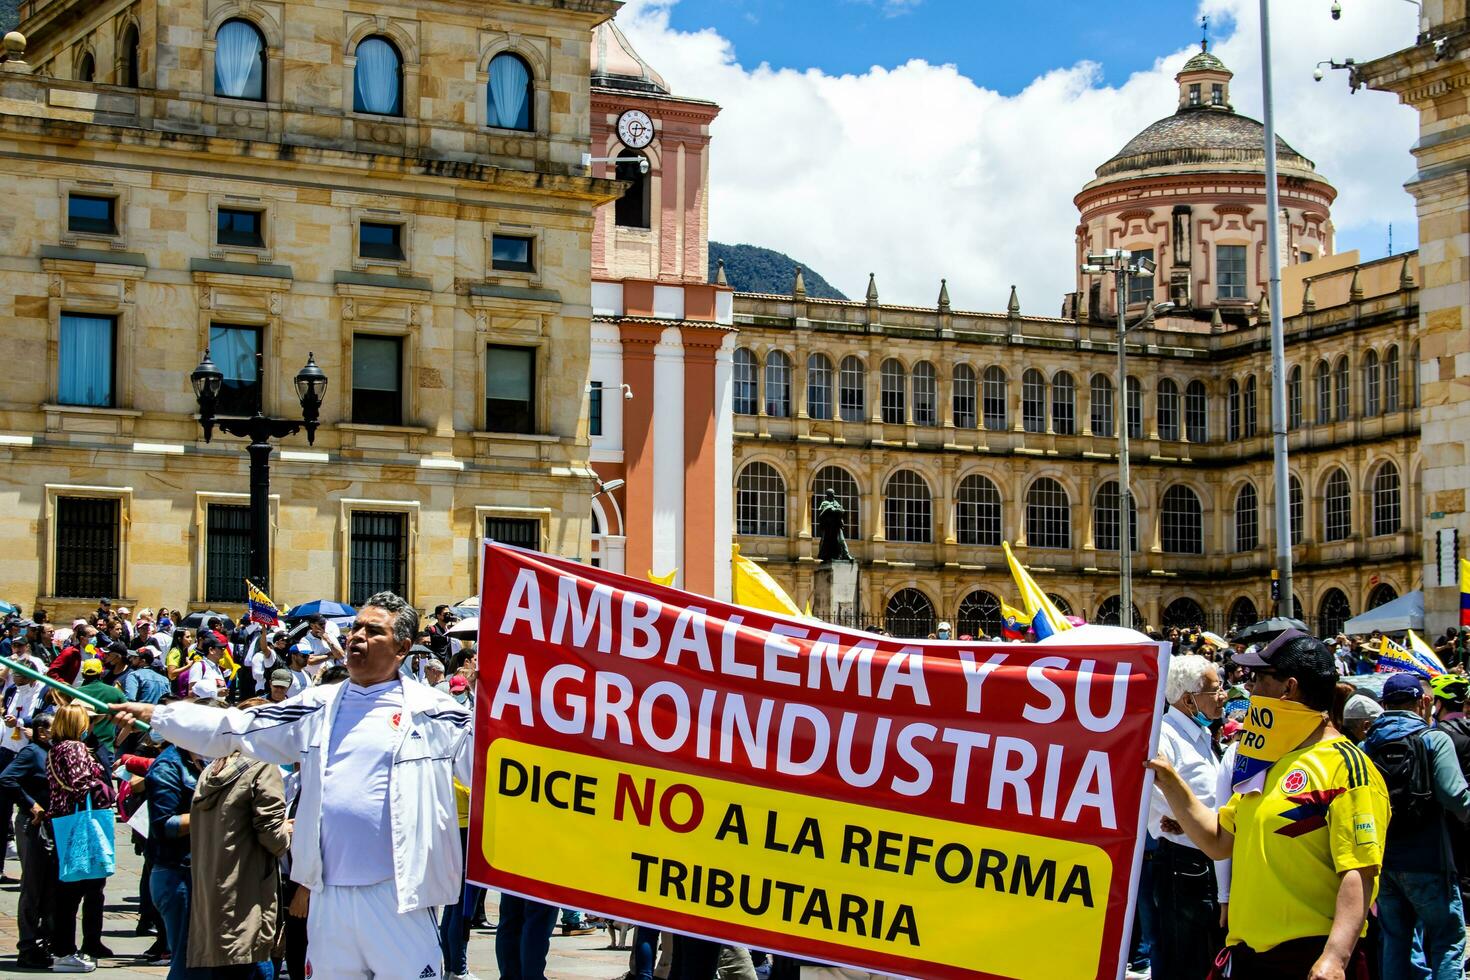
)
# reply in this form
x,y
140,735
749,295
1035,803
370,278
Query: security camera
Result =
x,y
1317,74
1336,10
627,392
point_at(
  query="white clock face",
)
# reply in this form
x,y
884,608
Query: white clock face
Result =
x,y
635,129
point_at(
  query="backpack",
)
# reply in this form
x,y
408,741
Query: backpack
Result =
x,y
1404,763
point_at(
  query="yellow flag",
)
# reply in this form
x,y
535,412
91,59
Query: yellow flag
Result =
x,y
663,579
1045,617
755,589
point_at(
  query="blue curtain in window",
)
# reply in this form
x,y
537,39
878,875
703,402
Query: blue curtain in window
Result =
x,y
377,78
85,361
238,66
510,93
233,349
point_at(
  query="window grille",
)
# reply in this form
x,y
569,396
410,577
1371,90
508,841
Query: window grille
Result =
x,y
1181,522
818,387
1247,519
744,383
1105,519
1135,408
979,615
1033,401
88,546
1337,509
1102,405
1196,413
977,512
226,552
1168,411
760,501
1387,517
1063,404
1371,394
379,555
908,508
778,385
909,614
926,400
892,382
994,394
852,383
1048,515
964,397
845,489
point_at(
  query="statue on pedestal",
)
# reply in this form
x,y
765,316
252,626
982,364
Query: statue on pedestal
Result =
x,y
831,517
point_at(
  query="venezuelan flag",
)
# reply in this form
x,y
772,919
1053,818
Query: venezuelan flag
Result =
x,y
1464,592
1014,623
1393,658
1046,618
262,610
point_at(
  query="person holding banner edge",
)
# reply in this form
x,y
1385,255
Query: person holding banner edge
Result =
x,y
1305,827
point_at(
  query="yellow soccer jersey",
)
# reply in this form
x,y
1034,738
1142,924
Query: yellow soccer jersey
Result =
x,y
1323,811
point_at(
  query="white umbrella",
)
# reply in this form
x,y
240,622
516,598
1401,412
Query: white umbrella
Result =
x,y
466,629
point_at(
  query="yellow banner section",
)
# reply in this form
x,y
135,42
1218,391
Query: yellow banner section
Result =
x,y
932,891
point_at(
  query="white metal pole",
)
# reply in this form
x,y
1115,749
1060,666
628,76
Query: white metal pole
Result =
x,y
1125,486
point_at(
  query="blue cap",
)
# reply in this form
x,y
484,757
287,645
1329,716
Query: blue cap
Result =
x,y
1401,686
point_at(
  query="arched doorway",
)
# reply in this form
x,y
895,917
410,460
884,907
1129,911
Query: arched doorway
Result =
x,y
1332,612
909,614
1382,594
1184,612
979,615
1107,613
1242,613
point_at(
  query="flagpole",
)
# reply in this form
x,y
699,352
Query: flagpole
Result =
x,y
67,689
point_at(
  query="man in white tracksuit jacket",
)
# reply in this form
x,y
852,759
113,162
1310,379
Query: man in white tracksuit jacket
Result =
x,y
376,836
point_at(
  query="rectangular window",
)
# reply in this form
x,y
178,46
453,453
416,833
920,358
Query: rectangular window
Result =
x,y
510,385
1217,94
1194,94
594,408
1063,405
379,557
377,380
380,240
1230,271
1102,406
88,546
1140,288
226,552
523,532
85,360
234,349
237,226
512,253
91,214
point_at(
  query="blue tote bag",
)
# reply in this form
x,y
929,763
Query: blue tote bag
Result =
x,y
84,843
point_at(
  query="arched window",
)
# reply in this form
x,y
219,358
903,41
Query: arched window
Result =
x,y
1342,388
1181,522
1232,412
744,383
1324,393
1294,398
1196,413
1337,507
1371,398
926,398
778,385
1297,506
909,614
979,615
1247,519
852,383
377,85
1106,524
1242,613
1391,379
1102,405
1387,513
845,489
1135,408
1250,406
1063,404
908,508
509,94
892,382
993,392
87,68
1183,612
1168,411
1332,612
760,501
1048,515
963,398
132,56
1107,613
1033,401
239,61
977,511
1414,374
1382,595
635,208
1063,606
819,387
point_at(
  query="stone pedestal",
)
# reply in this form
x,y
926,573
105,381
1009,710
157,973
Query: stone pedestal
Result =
x,y
835,592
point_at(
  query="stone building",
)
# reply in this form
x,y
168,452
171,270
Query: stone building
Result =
x,y
394,187
1432,75
945,432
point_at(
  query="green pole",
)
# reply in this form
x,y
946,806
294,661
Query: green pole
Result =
x,y
67,689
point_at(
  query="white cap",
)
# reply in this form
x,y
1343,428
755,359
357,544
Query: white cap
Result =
x,y
205,688
1360,707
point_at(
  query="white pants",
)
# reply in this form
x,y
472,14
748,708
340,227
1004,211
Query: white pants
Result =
x,y
356,933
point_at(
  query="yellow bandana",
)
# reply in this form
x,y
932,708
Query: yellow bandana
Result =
x,y
1272,728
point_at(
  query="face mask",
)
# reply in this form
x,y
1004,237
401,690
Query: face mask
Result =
x,y
1201,720
155,737
943,634
1272,729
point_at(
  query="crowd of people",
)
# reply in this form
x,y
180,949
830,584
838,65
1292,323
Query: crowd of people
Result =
x,y
252,769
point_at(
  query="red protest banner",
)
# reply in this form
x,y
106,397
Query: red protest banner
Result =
x,y
922,808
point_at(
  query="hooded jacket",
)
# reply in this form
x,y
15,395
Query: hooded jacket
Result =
x,y
237,824
1407,850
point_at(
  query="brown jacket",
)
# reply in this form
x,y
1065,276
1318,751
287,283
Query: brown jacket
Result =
x,y
237,829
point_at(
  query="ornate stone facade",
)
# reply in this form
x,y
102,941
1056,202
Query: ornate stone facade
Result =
x,y
433,254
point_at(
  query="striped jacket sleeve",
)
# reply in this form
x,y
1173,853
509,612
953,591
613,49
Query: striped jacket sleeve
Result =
x,y
278,733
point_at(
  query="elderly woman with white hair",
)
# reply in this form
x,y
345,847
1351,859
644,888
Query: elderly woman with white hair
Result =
x,y
1188,931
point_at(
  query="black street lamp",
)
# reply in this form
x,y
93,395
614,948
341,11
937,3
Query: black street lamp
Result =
x,y
311,385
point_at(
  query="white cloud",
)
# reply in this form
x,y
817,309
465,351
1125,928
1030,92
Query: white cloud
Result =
x,y
917,172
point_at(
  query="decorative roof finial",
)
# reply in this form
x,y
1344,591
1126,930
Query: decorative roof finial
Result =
x,y
944,296
1217,322
1406,278
1204,40
872,289
1013,306
1309,302
720,279
798,287
1355,289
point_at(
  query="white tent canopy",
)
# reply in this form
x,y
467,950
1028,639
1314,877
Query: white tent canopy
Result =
x,y
1404,613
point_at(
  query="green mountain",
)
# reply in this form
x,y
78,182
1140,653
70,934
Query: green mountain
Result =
x,y
752,269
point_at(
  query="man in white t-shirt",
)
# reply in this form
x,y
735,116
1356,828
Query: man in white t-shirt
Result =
x,y
322,640
207,667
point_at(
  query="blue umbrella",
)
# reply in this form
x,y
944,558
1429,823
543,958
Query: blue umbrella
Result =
x,y
320,607
7,609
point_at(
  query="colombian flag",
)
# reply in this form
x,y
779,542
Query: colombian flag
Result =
x,y
1045,617
1014,623
1464,592
262,610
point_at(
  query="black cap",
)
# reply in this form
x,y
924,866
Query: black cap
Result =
x,y
1262,657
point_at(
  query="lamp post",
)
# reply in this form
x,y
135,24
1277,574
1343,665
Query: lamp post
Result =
x,y
311,385
1124,267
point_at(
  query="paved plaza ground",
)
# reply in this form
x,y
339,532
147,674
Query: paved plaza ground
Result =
x,y
571,956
